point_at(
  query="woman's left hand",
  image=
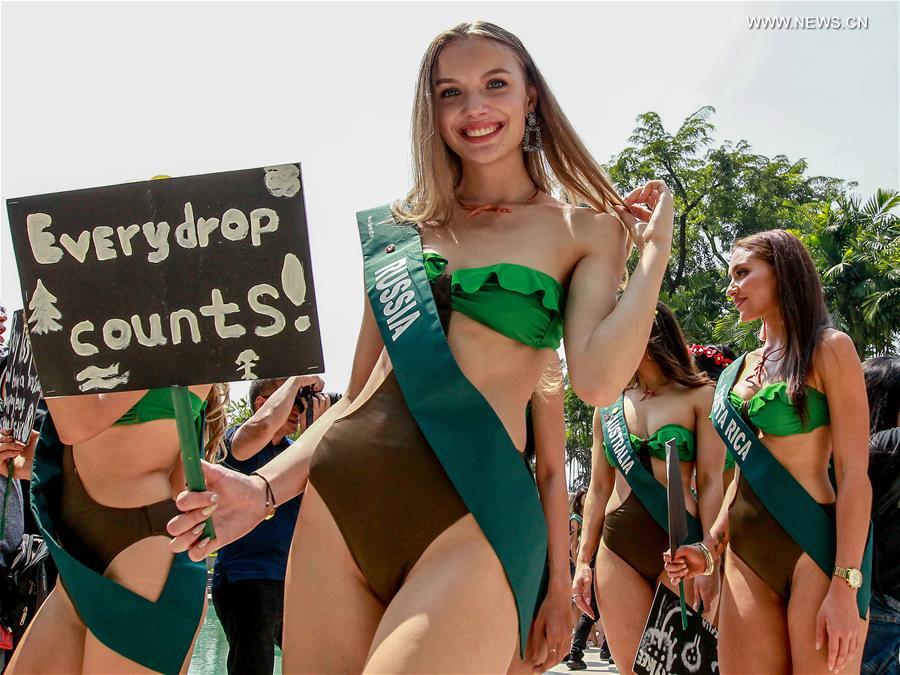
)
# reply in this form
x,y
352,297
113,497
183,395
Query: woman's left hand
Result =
x,y
838,624
551,631
706,589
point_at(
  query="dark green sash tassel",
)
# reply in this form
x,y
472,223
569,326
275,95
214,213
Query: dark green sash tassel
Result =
x,y
158,635
462,429
801,516
649,491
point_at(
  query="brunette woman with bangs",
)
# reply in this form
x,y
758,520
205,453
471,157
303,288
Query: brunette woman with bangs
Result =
x,y
667,399
796,586
444,573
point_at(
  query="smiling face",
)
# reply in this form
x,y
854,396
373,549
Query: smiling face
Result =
x,y
480,99
753,287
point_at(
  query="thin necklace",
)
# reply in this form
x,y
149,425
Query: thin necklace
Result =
x,y
475,209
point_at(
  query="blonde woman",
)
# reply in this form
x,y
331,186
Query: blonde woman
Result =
x,y
105,470
424,551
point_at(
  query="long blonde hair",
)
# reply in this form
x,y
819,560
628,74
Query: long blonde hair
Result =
x,y
216,423
565,165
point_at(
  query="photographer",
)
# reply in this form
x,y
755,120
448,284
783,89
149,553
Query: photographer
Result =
x,y
248,579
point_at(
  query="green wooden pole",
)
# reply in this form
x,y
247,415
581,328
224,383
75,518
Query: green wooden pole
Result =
x,y
190,447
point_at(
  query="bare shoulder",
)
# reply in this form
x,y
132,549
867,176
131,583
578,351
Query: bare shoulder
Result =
x,y
595,234
835,350
702,396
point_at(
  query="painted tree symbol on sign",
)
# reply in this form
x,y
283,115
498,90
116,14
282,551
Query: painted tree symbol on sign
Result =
x,y
245,361
43,314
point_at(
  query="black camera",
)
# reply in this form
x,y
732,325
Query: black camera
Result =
x,y
304,401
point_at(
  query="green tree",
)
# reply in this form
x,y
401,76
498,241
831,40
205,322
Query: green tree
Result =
x,y
856,248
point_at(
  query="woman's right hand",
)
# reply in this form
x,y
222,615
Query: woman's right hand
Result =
x,y
653,225
687,563
239,503
21,455
581,588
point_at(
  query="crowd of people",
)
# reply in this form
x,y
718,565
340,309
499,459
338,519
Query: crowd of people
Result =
x,y
434,533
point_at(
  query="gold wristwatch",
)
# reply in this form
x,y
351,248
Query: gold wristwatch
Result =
x,y
851,575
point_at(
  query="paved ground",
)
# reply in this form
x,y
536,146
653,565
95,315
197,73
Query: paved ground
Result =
x,y
594,664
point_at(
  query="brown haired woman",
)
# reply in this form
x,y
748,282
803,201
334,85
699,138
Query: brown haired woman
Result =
x,y
119,468
668,399
787,411
400,577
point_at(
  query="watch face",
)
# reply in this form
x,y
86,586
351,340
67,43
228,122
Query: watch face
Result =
x,y
855,578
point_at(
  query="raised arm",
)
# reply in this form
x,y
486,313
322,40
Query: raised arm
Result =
x,y
603,479
604,338
253,435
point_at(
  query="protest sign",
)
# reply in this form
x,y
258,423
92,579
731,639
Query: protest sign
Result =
x,y
168,282
19,382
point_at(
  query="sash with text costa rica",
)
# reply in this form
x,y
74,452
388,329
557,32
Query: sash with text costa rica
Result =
x,y
649,491
462,429
801,516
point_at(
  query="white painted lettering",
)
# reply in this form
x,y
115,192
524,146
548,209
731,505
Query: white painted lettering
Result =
x,y
155,338
79,347
186,232
125,236
175,325
256,226
234,225
205,227
158,238
77,249
218,309
42,243
117,334
278,322
102,244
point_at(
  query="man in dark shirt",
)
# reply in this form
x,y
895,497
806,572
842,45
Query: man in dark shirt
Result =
x,y
882,648
248,578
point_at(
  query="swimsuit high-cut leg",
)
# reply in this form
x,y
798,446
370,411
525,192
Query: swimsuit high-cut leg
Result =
x,y
761,542
94,533
383,484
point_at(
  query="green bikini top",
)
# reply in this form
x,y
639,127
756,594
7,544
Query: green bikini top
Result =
x,y
156,404
771,410
519,302
655,444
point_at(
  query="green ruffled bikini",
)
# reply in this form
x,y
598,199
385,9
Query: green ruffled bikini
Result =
x,y
655,444
519,302
630,531
755,536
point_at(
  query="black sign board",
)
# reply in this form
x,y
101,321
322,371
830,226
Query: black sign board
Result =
x,y
19,383
168,282
666,647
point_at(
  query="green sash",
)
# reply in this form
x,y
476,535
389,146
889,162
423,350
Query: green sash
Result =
x,y
157,635
462,429
801,516
649,491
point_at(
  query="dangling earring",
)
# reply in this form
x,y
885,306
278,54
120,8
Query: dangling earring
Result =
x,y
531,127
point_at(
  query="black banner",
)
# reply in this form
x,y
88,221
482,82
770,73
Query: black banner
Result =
x,y
168,282
666,648
19,383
